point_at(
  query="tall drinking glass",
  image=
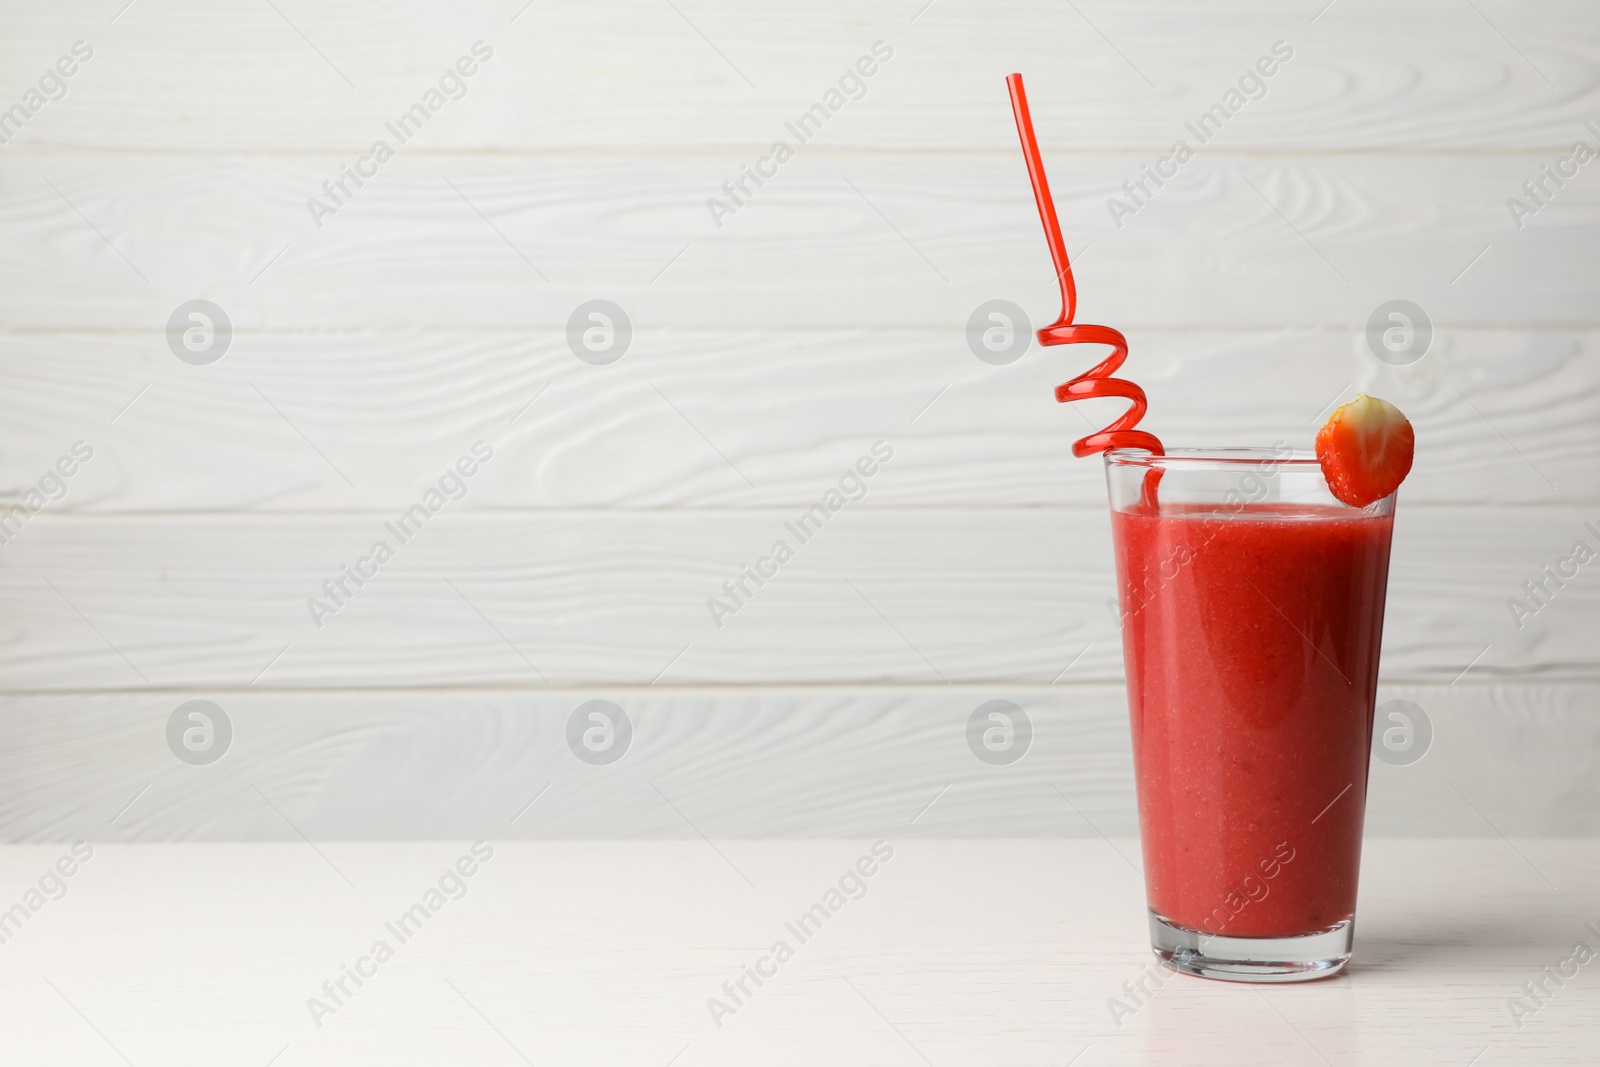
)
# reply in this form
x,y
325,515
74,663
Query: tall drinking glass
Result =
x,y
1252,613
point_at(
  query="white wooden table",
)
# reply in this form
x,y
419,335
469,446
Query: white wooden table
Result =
x,y
960,952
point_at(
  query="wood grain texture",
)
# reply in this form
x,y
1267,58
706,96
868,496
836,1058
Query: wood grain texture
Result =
x,y
577,76
920,595
970,953
1502,417
467,242
769,763
769,353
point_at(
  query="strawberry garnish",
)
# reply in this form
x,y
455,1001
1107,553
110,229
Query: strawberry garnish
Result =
x,y
1365,450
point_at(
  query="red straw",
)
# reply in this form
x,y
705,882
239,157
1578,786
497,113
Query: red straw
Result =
x,y
1097,381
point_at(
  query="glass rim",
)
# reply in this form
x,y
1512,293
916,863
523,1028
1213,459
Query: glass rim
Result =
x,y
1214,458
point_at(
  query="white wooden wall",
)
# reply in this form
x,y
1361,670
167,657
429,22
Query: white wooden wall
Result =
x,y
768,354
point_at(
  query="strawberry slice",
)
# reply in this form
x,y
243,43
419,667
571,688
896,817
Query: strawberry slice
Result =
x,y
1365,450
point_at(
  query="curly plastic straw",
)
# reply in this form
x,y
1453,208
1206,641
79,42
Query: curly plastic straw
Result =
x,y
1097,380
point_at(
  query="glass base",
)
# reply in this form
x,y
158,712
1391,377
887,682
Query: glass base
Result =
x,y
1252,959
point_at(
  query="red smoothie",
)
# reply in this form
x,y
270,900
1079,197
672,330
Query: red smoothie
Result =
x,y
1251,640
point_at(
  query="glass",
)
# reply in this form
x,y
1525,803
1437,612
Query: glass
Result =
x,y
1252,614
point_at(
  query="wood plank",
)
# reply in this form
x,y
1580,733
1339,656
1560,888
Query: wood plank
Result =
x,y
195,76
1497,413
835,241
760,763
915,595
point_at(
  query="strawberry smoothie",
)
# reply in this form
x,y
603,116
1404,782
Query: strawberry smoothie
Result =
x,y
1251,636
1252,587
